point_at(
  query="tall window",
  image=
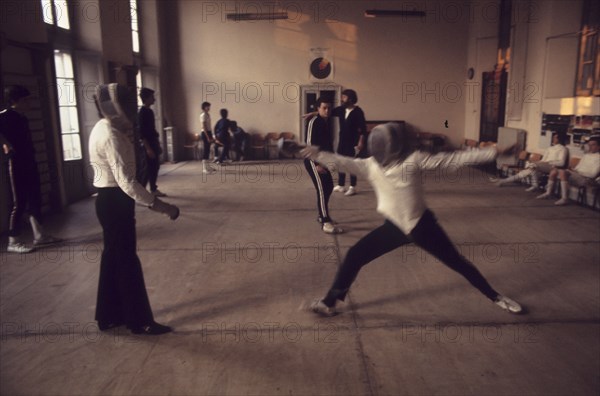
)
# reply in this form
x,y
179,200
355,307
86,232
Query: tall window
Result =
x,y
67,106
588,68
56,13
135,31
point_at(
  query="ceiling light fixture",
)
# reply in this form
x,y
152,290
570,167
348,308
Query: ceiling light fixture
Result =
x,y
393,13
257,16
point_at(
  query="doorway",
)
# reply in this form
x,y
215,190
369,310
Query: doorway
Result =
x,y
309,95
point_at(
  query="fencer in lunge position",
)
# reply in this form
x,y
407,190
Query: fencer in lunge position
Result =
x,y
394,170
122,297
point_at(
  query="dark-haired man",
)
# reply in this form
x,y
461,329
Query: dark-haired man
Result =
x,y
353,130
318,133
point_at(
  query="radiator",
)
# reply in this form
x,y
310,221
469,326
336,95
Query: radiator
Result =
x,y
508,137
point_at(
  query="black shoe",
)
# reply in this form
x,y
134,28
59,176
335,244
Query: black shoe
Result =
x,y
151,329
104,326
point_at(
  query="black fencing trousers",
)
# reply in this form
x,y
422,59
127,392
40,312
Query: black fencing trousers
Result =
x,y
122,297
427,234
324,185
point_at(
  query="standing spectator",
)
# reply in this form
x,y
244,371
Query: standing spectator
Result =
x,y
585,173
207,138
122,297
17,144
352,138
150,139
318,133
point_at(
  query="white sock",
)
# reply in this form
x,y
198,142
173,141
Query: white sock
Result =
x,y
550,187
12,240
36,227
564,189
534,181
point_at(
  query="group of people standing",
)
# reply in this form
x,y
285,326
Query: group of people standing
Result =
x,y
392,166
227,135
351,143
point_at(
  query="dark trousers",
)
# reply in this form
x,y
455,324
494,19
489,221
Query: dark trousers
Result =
x,y
26,195
152,166
324,185
206,151
342,179
224,152
427,234
122,297
348,152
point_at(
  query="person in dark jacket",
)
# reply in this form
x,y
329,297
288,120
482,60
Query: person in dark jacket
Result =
x,y
150,139
352,139
17,144
318,133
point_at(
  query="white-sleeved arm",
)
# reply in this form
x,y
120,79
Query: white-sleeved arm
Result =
x,y
560,157
123,168
355,166
456,159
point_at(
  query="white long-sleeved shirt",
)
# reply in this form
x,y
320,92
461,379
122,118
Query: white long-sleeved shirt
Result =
x,y
555,155
113,160
205,122
589,165
398,188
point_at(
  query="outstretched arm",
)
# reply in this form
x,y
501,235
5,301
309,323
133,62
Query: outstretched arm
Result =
x,y
354,166
457,158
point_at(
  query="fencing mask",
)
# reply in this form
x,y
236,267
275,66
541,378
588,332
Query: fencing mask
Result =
x,y
117,104
390,143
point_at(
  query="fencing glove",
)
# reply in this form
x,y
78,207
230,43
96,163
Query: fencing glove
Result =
x,y
171,211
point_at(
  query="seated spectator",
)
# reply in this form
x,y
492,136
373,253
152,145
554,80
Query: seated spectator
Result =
x,y
555,157
584,173
240,140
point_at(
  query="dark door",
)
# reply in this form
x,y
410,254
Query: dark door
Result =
x,y
493,105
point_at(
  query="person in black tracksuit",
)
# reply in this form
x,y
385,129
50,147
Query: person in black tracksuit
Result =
x,y
353,134
17,144
318,133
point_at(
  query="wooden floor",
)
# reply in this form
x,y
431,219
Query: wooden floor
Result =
x,y
234,274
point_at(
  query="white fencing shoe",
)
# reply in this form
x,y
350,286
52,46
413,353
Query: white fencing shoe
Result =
x,y
510,305
351,191
18,248
329,228
319,307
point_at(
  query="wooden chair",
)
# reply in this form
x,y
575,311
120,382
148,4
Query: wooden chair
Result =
x,y
470,144
193,145
271,149
287,136
509,170
257,145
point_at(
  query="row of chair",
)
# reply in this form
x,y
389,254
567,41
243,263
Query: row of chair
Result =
x,y
265,147
261,146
